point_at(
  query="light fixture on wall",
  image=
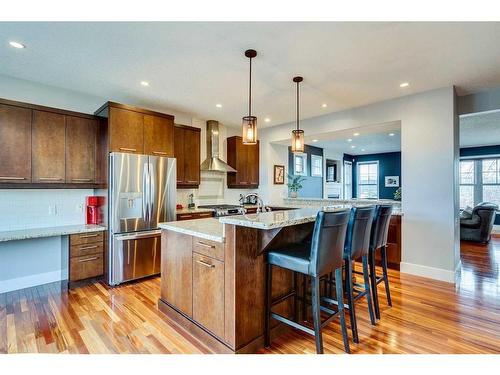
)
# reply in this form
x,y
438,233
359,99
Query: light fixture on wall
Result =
x,y
297,134
249,123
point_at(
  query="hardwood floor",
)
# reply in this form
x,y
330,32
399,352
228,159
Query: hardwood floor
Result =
x,y
427,317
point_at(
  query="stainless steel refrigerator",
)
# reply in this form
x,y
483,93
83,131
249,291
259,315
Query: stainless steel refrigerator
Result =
x,y
142,193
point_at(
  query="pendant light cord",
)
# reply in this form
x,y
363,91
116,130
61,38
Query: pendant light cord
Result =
x,y
297,105
250,91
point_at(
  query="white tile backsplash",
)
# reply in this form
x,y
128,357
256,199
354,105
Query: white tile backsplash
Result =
x,y
38,208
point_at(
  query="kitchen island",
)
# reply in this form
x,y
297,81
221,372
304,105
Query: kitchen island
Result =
x,y
213,275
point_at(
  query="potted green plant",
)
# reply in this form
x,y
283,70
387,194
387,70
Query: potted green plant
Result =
x,y
295,184
397,194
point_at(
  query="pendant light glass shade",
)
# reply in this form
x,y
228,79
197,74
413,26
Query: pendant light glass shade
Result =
x,y
297,140
249,123
297,134
249,126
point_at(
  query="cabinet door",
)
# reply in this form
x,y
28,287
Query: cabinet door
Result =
x,y
126,131
15,144
191,157
158,136
177,271
179,153
48,152
253,164
242,162
80,150
208,293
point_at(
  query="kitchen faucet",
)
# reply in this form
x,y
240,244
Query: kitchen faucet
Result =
x,y
260,202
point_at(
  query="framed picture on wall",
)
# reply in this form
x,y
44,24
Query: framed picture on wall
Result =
x,y
279,174
391,181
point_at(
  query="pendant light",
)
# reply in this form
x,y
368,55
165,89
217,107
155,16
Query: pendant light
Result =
x,y
297,134
249,123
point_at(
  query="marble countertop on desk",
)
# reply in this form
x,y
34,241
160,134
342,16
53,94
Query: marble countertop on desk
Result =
x,y
209,229
64,230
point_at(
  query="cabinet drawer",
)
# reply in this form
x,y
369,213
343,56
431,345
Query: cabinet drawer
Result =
x,y
209,248
84,238
86,249
85,267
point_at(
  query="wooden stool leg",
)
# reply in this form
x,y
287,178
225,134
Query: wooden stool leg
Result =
x,y
373,280
304,296
350,300
315,299
367,289
269,279
386,278
295,298
340,301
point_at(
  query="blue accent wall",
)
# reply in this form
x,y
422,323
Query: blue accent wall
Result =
x,y
389,164
312,187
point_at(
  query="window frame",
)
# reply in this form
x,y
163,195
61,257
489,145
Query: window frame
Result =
x,y
303,156
478,184
358,179
318,158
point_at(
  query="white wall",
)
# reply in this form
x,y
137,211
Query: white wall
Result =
x,y
429,144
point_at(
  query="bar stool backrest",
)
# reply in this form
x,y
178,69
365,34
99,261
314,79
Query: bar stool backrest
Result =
x,y
380,226
358,232
327,245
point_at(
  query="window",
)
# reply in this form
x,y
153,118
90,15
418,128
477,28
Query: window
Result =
x,y
300,164
330,173
368,180
316,166
479,181
347,180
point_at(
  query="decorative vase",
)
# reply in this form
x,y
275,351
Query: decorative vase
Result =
x,y
293,194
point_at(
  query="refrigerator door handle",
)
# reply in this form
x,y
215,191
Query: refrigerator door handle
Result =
x,y
152,194
145,193
137,236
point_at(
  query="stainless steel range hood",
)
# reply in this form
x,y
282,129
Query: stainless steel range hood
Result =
x,y
213,161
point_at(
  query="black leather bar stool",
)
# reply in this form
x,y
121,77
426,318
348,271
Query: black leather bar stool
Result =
x,y
357,246
315,259
378,241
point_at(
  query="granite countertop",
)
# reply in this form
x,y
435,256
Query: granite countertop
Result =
x,y
209,229
25,234
195,210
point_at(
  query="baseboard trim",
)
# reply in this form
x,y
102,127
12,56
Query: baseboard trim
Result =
x,y
429,272
31,280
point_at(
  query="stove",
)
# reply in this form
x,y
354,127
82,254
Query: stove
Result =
x,y
224,209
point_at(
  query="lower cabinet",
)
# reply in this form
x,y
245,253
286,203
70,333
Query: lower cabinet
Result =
x,y
86,254
208,293
194,215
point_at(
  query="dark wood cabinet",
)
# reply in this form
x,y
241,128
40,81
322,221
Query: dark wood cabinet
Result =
x,y
158,136
126,131
187,153
245,159
86,256
194,215
80,150
15,147
48,147
208,293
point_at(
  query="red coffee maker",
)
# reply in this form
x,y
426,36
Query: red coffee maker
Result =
x,y
95,209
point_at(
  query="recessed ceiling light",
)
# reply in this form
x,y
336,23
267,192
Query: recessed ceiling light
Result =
x,y
267,119
218,105
404,84
324,105
349,140
17,44
353,146
315,140
391,134
145,83
362,149
355,134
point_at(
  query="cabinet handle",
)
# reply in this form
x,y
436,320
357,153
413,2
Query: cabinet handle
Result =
x,y
184,216
88,247
12,178
206,245
160,153
87,260
205,264
127,149
50,179
89,236
81,179
192,181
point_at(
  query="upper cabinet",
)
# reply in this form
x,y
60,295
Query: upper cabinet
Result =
x,y
137,130
48,147
187,153
15,144
245,159
42,145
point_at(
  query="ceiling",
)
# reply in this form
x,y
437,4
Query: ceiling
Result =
x,y
191,66
480,129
